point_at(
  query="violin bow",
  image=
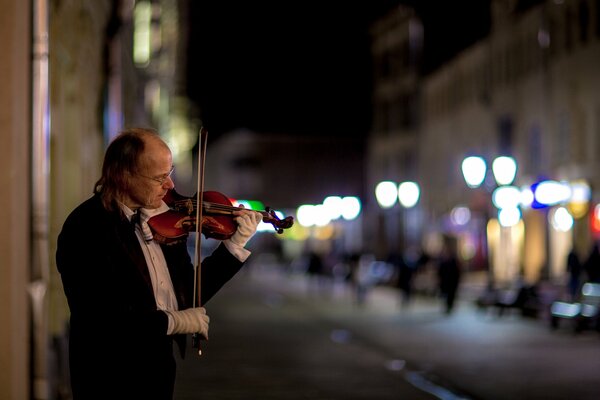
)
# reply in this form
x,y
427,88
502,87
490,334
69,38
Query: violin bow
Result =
x,y
198,246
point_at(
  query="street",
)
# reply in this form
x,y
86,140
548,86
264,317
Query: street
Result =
x,y
279,336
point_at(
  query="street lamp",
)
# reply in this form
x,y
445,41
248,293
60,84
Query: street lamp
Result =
x,y
504,169
386,193
407,193
474,169
505,198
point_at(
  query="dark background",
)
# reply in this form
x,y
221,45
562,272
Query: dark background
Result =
x,y
304,67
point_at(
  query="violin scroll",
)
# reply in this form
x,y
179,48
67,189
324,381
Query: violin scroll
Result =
x,y
270,217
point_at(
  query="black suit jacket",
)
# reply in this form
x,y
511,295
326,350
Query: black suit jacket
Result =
x,y
118,346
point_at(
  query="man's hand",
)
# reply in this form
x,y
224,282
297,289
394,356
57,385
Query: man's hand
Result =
x,y
191,320
247,221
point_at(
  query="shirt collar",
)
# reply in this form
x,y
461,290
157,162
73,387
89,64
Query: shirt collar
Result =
x,y
145,213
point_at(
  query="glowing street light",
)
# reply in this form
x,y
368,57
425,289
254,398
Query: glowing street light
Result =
x,y
408,194
386,193
350,207
332,208
473,169
504,169
507,199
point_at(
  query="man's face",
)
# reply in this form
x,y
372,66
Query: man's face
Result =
x,y
146,189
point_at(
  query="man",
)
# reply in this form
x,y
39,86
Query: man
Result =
x,y
129,296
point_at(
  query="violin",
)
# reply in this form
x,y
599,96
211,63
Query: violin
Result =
x,y
174,225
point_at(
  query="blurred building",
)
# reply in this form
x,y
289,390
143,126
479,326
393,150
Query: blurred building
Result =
x,y
529,90
397,45
284,171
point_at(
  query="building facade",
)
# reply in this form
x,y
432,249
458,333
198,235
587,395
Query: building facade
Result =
x,y
529,90
396,48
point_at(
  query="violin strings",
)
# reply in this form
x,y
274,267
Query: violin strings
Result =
x,y
215,206
223,207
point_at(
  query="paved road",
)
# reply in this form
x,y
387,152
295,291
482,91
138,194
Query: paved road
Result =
x,y
275,336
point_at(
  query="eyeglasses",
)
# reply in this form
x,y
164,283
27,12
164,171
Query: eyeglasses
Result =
x,y
162,179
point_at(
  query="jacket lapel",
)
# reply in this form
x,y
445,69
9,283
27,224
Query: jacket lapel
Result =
x,y
125,234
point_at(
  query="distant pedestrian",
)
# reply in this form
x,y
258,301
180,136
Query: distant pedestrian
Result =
x,y
592,265
406,266
315,270
574,269
405,277
449,273
361,276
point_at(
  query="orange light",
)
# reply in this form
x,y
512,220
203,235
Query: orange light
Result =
x,y
595,220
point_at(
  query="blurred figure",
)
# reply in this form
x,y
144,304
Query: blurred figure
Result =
x,y
405,275
315,270
592,265
407,266
353,261
449,274
362,278
574,269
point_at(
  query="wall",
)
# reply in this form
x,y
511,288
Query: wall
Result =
x,y
15,126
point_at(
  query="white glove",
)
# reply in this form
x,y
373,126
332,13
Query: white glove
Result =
x,y
247,221
191,320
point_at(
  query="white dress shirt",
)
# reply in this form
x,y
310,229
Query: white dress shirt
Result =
x,y
164,294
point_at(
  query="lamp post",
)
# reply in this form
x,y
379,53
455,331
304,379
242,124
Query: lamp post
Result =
x,y
407,194
504,197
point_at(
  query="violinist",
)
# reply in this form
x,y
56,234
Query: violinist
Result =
x,y
130,297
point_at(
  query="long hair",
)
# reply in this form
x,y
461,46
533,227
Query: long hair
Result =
x,y
121,161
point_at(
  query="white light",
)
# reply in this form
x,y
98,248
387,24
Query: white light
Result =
x,y
321,217
580,192
526,196
561,220
333,206
305,215
460,215
506,197
350,207
408,194
552,192
505,170
473,169
386,194
509,216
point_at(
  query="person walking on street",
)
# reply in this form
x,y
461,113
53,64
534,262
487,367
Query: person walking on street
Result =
x,y
574,268
449,274
130,297
592,264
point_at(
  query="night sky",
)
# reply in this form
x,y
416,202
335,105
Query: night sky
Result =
x,y
304,67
